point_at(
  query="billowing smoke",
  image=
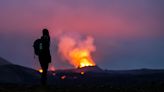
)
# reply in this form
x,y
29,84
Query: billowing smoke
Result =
x,y
77,50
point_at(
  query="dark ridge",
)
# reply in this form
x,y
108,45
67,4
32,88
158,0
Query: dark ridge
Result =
x,y
18,74
94,69
4,62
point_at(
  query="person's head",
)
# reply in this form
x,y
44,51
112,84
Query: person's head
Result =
x,y
45,32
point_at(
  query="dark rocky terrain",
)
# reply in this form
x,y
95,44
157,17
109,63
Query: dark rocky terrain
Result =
x,y
15,78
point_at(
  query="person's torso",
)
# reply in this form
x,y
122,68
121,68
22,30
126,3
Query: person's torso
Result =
x,y
45,45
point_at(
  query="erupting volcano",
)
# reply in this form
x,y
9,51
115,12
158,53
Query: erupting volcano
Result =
x,y
77,51
81,58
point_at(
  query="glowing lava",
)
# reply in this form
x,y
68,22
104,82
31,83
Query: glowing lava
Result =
x,y
63,77
40,70
51,68
82,73
81,58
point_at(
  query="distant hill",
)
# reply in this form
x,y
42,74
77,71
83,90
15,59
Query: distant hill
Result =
x,y
136,72
11,73
4,62
94,69
18,74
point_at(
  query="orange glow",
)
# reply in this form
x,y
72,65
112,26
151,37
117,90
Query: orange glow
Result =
x,y
77,51
51,68
63,77
40,70
81,58
82,73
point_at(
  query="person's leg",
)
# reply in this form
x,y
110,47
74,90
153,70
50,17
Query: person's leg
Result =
x,y
44,74
41,60
44,66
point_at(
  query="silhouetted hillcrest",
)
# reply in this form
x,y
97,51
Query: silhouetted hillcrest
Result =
x,y
18,74
4,62
93,69
10,73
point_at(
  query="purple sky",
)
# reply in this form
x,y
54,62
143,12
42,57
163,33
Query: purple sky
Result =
x,y
129,34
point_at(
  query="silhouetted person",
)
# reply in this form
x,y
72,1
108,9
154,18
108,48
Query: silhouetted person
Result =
x,y
41,47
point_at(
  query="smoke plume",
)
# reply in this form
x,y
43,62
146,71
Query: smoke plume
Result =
x,y
77,50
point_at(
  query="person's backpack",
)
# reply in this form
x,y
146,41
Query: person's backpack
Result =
x,y
37,46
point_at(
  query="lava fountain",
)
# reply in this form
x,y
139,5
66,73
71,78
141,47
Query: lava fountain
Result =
x,y
77,51
81,58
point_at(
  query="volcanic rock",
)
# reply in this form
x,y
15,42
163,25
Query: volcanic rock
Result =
x,y
86,69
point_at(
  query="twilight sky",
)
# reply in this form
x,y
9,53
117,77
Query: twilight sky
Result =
x,y
129,34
